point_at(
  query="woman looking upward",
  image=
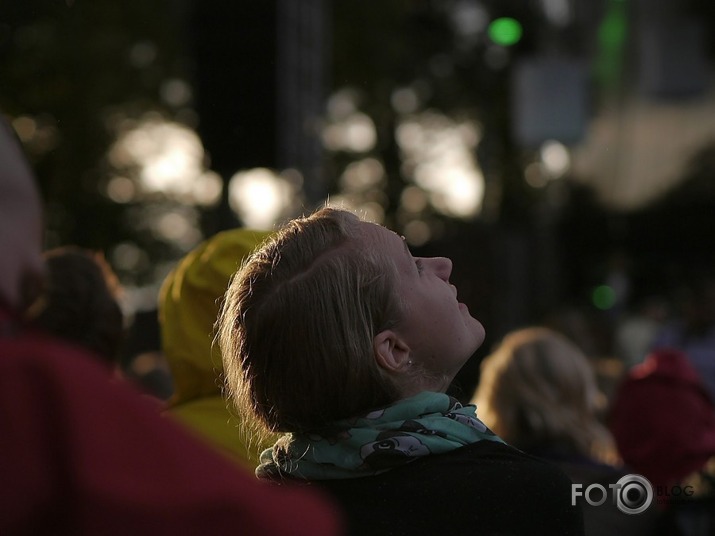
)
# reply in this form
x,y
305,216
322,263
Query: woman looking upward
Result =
x,y
335,335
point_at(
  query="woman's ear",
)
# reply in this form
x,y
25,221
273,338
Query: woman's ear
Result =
x,y
391,352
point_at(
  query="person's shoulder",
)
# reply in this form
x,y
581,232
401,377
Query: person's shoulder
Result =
x,y
34,347
74,424
485,453
485,471
503,464
517,487
32,351
487,486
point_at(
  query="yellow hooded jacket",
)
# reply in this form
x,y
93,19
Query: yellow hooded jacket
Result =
x,y
189,303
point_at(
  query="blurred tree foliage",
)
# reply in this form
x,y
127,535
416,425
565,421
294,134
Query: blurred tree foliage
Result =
x,y
77,67
73,69
419,44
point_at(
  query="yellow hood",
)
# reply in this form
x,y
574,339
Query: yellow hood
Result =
x,y
189,303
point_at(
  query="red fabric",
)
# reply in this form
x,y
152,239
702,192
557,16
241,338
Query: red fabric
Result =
x,y
663,420
81,453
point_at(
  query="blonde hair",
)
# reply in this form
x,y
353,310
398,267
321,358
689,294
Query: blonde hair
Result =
x,y
297,326
539,389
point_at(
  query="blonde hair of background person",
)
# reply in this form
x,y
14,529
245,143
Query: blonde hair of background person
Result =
x,y
539,389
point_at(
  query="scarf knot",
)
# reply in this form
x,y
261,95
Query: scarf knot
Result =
x,y
425,424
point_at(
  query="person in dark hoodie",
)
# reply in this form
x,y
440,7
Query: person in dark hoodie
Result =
x,y
335,335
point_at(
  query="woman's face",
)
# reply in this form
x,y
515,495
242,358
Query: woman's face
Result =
x,y
437,328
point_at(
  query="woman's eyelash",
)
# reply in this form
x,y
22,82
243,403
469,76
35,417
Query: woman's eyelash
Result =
x,y
420,267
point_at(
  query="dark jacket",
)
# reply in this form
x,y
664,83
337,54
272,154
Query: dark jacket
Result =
x,y
605,519
486,488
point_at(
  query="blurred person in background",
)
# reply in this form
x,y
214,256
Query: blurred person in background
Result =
x,y
82,453
80,302
538,391
692,331
636,331
663,422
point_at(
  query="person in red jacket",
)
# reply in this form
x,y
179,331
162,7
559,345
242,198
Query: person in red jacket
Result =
x,y
84,453
663,420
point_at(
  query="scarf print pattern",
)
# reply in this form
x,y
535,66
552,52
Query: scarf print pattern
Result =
x,y
428,423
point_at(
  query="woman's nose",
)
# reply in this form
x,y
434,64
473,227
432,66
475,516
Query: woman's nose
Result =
x,y
441,266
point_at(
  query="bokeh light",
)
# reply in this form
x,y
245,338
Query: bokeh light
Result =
x,y
558,12
413,199
555,158
604,297
362,175
127,256
161,157
121,189
417,232
438,157
356,134
347,129
505,31
469,18
176,92
142,54
25,127
405,100
261,197
38,134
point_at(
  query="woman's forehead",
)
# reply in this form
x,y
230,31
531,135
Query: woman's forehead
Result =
x,y
373,234
391,246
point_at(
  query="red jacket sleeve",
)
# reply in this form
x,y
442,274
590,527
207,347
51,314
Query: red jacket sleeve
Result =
x,y
82,453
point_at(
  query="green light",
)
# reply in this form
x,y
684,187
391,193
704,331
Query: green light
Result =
x,y
604,297
612,37
505,31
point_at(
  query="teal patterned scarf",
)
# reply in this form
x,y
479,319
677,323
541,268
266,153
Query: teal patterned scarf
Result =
x,y
428,423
